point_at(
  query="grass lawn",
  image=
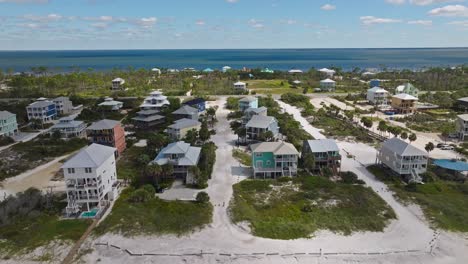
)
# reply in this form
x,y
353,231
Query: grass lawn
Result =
x,y
276,90
26,234
242,156
155,217
279,209
334,127
268,84
444,203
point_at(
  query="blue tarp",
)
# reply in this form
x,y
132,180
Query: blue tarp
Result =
x,y
452,164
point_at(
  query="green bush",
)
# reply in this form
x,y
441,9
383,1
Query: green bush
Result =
x,y
202,197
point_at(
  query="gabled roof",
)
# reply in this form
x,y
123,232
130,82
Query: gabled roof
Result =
x,y
327,81
104,124
148,112
259,121
239,83
322,145
295,71
185,110
377,90
405,97
256,110
41,103
5,115
464,99
184,123
91,157
110,102
61,98
191,155
120,80
463,117
248,99
277,148
402,148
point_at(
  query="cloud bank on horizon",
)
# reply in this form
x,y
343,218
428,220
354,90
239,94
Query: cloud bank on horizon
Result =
x,y
159,24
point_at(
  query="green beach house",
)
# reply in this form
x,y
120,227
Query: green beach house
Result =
x,y
407,88
274,159
8,124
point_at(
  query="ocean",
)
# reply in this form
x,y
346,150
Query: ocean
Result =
x,y
277,59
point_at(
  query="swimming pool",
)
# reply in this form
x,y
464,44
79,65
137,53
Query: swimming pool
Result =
x,y
90,214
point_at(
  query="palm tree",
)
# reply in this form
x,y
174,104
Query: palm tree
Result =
x,y
429,147
154,170
412,137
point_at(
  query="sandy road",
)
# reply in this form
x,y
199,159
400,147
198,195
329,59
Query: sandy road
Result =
x,y
223,242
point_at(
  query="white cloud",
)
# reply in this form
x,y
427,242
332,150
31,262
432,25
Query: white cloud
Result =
x,y
328,7
147,22
463,23
200,22
421,22
450,11
396,2
371,20
43,19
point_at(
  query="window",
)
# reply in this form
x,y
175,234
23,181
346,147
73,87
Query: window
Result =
x,y
258,154
88,170
71,170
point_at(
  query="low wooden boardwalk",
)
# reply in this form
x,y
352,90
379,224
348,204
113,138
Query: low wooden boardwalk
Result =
x,y
70,256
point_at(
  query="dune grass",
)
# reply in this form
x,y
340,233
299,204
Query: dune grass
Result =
x,y
155,217
242,156
280,209
268,84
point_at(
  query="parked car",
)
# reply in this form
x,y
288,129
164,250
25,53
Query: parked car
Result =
x,y
440,145
447,147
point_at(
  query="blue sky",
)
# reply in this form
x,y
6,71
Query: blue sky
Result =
x,y
191,24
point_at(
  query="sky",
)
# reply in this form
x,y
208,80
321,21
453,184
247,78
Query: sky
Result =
x,y
231,24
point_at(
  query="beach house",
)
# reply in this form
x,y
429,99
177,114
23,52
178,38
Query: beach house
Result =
x,y
155,101
327,72
226,69
248,102
295,71
407,88
90,181
147,119
377,96
182,157
250,112
327,85
374,83
69,128
240,86
117,83
404,103
462,126
462,104
109,133
179,128
186,111
325,152
43,110
198,103
258,125
8,124
63,105
110,104
274,159
403,158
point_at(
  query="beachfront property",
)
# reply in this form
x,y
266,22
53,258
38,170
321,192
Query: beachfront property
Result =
x,y
8,124
69,128
240,86
250,112
148,118
462,127
226,69
327,85
109,133
110,104
404,103
374,83
403,158
182,157
90,181
156,71
325,152
377,96
259,124
42,110
179,128
186,111
155,101
248,102
462,104
327,72
407,88
63,105
117,83
274,159
198,103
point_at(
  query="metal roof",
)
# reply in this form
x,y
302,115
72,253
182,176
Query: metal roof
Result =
x,y
277,148
259,121
184,123
377,90
404,96
464,117
322,145
190,158
5,115
402,148
248,99
91,157
104,124
256,110
41,103
148,118
185,110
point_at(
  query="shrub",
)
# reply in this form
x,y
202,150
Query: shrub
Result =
x,y
316,182
203,197
350,177
150,189
139,196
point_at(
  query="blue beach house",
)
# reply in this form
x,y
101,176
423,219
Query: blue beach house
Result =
x,y
248,102
374,83
198,103
274,159
42,110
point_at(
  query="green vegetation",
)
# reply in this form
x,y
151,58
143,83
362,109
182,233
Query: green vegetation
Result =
x,y
300,101
28,155
30,220
131,163
428,123
290,209
232,103
268,84
444,202
242,156
206,163
152,216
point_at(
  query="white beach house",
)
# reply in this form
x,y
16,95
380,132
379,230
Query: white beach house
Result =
x,y
111,105
240,86
43,110
117,83
91,180
377,96
155,101
462,126
69,128
327,85
327,72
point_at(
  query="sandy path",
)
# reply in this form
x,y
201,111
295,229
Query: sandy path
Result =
x,y
222,237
